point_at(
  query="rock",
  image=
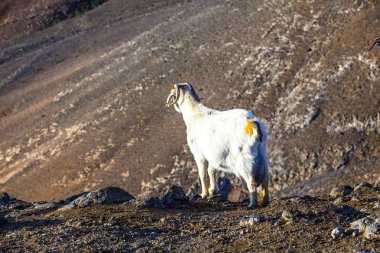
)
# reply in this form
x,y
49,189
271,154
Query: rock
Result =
x,y
252,220
355,198
346,210
355,232
337,232
4,198
19,205
340,191
175,196
196,197
369,226
223,187
46,205
289,215
361,186
376,205
342,199
153,202
108,195
2,220
74,197
302,199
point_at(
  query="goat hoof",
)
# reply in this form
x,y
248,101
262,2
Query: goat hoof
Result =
x,y
211,193
204,195
211,196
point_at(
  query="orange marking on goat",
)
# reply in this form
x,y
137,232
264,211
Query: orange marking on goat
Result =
x,y
250,127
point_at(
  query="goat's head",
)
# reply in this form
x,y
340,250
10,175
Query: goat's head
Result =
x,y
178,93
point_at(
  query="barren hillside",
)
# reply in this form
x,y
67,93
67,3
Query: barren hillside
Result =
x,y
82,90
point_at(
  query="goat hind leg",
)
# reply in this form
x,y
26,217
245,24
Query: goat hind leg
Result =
x,y
252,187
265,189
211,173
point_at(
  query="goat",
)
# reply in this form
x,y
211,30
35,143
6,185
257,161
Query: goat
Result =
x,y
233,141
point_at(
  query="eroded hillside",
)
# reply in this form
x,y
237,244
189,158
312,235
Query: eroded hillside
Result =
x,y
81,99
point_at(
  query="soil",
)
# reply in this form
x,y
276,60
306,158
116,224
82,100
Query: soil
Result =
x,y
199,225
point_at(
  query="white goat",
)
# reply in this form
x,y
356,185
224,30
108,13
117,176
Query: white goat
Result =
x,y
233,141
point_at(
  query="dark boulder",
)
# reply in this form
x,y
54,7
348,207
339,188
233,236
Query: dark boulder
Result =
x,y
175,196
223,187
108,195
153,202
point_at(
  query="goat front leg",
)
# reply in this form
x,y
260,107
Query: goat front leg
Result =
x,y
211,173
202,171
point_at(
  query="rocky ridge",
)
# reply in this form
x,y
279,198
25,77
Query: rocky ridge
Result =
x,y
110,219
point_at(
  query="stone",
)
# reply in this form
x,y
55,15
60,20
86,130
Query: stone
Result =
x,y
337,233
74,197
342,199
361,186
369,226
2,220
175,196
252,220
19,205
302,199
356,232
108,195
153,202
4,197
376,205
340,191
46,205
289,215
223,187
346,210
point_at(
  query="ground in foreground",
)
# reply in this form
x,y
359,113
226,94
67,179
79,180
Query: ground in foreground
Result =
x,y
296,224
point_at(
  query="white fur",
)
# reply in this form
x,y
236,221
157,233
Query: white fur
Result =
x,y
218,141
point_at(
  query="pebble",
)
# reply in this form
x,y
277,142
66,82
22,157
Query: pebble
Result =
x,y
252,220
337,232
288,215
302,199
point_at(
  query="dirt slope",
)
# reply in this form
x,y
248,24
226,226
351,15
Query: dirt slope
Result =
x,y
81,99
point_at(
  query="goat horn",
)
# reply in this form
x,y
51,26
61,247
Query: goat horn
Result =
x,y
176,97
376,42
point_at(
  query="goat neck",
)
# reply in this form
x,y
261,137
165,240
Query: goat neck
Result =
x,y
191,109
